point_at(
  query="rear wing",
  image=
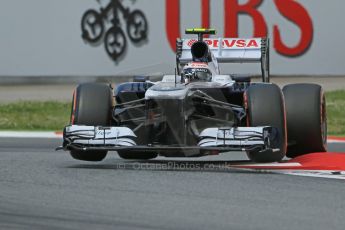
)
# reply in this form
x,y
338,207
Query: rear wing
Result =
x,y
229,50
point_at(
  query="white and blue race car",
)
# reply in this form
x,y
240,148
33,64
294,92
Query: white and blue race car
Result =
x,y
199,111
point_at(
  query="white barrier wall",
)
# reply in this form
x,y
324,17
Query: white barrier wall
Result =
x,y
44,37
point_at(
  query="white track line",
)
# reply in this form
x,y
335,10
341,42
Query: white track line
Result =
x,y
28,134
335,141
272,165
308,173
340,175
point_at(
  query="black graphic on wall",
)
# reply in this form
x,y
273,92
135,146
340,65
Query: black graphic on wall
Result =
x,y
106,25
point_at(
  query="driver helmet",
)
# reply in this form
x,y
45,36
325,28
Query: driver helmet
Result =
x,y
196,72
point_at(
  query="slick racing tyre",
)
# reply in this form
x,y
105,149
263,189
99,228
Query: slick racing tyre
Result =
x,y
265,107
137,155
306,119
91,105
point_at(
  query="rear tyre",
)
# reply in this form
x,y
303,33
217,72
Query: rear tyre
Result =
x,y
91,105
265,107
306,119
135,155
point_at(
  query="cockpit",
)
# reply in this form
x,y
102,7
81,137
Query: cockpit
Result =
x,y
197,75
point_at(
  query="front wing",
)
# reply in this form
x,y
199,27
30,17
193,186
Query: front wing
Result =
x,y
211,140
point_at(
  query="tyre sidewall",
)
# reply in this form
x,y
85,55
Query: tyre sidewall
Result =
x,y
265,107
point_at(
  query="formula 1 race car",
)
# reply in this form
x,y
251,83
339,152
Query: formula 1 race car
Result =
x,y
198,111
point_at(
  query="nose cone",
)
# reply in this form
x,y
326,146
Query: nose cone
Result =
x,y
166,90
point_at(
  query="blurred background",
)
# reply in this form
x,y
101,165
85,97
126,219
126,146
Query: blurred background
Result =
x,y
47,47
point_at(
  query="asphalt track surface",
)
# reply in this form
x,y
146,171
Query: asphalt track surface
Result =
x,y
44,189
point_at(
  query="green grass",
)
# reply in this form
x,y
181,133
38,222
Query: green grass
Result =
x,y
29,115
336,112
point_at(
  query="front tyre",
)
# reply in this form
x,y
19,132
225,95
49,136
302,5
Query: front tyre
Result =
x,y
265,107
306,119
91,105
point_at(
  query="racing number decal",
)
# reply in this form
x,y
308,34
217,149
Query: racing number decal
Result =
x,y
290,9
